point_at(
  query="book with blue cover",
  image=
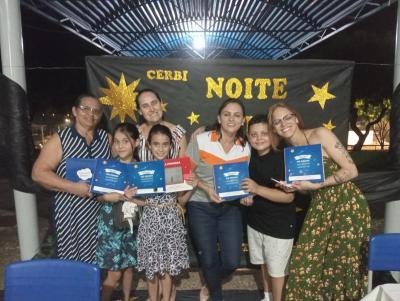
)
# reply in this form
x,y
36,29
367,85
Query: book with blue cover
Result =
x,y
227,178
80,169
304,163
148,177
109,176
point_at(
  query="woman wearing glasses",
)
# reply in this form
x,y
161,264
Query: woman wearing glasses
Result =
x,y
75,210
329,260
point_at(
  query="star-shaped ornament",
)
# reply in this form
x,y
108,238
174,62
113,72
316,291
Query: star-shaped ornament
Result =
x,y
194,118
248,118
164,106
329,125
121,97
321,95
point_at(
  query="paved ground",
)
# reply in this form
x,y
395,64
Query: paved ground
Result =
x,y
9,250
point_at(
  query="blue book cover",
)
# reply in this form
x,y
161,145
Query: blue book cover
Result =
x,y
227,178
148,177
80,169
304,163
110,176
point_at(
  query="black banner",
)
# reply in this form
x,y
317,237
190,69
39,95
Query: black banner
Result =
x,y
16,143
192,90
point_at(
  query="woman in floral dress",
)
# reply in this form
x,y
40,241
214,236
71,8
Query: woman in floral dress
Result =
x,y
329,261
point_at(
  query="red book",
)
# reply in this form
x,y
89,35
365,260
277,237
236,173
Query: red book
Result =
x,y
177,172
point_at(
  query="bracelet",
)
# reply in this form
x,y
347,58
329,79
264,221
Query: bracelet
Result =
x,y
336,178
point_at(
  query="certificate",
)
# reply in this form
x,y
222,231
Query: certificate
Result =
x,y
177,171
148,177
227,178
80,169
304,163
109,176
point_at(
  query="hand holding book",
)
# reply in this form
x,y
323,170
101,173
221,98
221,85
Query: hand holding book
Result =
x,y
81,189
192,180
306,185
249,186
213,195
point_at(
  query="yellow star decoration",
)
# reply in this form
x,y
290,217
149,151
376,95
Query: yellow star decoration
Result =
x,y
321,95
194,118
329,125
164,106
121,98
248,118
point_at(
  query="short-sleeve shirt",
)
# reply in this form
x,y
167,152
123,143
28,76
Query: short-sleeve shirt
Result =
x,y
265,216
75,218
205,150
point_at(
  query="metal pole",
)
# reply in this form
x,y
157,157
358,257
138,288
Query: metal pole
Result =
x,y
392,209
396,77
13,65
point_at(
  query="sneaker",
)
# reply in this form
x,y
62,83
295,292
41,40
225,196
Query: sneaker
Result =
x,y
267,297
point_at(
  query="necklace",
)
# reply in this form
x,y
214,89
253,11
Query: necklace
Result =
x,y
305,137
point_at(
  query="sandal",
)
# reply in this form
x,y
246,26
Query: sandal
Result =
x,y
204,296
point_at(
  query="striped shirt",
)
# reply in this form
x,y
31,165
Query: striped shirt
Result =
x,y
75,218
177,133
205,151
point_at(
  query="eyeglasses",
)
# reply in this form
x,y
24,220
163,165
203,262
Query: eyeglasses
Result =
x,y
286,118
90,110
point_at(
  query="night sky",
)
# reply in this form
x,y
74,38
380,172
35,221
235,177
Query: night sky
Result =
x,y
55,58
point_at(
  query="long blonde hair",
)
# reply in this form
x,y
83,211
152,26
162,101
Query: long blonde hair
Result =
x,y
275,138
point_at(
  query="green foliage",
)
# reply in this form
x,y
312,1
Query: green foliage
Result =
x,y
371,114
370,110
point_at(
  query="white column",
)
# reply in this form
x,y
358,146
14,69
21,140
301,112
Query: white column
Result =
x,y
396,78
392,209
13,66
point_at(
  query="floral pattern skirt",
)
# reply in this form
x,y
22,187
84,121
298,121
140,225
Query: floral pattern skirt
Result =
x,y
116,248
329,261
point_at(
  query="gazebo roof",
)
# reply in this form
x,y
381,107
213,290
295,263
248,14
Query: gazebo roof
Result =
x,y
257,29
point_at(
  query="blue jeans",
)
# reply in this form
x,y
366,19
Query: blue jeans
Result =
x,y
212,224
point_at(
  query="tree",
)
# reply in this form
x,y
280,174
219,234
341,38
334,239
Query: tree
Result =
x,y
382,128
371,114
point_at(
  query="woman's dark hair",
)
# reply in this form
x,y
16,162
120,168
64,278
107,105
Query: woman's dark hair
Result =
x,y
80,97
159,129
130,130
241,135
259,118
148,90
